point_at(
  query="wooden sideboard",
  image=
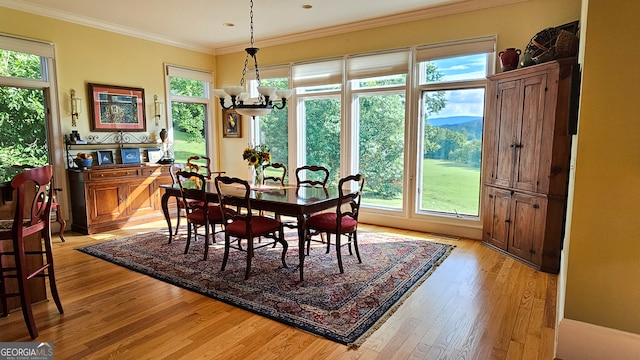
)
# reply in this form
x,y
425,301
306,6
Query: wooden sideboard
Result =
x,y
107,198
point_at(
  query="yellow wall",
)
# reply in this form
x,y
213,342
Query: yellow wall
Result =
x,y
86,55
604,255
514,25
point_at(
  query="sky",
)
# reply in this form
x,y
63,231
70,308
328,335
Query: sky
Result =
x,y
463,102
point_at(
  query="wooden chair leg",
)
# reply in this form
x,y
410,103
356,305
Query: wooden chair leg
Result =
x,y
63,224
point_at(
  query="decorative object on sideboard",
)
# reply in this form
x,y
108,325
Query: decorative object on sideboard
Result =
x,y
509,58
83,160
76,107
74,138
157,109
235,97
105,157
117,108
154,155
163,135
130,156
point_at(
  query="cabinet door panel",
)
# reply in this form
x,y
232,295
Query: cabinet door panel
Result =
x,y
506,114
496,224
529,133
525,226
105,202
141,197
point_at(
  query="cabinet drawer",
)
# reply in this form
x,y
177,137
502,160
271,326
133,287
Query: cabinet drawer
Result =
x,y
157,171
113,174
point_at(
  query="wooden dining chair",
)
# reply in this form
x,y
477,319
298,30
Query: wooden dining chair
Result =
x,y
343,221
34,196
312,175
278,176
233,194
56,209
198,164
199,212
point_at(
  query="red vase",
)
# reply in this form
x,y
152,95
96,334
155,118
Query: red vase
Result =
x,y
509,58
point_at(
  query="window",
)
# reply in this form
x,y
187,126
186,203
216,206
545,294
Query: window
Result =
x,y
190,112
319,112
378,91
272,129
25,67
452,92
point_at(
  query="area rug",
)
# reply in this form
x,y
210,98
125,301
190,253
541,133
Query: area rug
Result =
x,y
345,308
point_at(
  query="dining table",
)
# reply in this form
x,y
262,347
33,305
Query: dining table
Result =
x,y
291,200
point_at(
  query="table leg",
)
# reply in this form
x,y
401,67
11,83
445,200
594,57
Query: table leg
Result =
x,y
302,229
165,209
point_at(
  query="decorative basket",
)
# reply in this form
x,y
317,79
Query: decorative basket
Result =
x,y
566,44
550,44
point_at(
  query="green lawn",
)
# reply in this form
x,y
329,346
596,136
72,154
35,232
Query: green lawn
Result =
x,y
447,186
182,149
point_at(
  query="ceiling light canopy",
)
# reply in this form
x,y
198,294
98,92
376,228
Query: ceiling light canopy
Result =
x,y
235,97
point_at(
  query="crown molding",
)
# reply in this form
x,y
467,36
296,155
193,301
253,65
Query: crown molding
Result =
x,y
437,11
443,10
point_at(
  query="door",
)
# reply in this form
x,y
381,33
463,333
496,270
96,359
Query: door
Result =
x,y
506,113
529,133
141,196
527,225
496,219
105,202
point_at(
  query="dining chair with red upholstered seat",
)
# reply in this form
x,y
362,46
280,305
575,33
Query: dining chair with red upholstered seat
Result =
x,y
343,221
199,212
34,196
242,224
198,164
55,205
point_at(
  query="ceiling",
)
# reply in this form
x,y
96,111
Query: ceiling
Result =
x,y
200,24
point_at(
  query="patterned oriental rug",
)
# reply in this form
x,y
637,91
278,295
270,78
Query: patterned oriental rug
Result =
x,y
345,308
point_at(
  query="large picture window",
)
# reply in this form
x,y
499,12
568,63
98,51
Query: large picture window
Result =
x,y
452,113
190,100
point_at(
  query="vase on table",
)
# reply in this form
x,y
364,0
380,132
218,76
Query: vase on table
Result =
x,y
256,175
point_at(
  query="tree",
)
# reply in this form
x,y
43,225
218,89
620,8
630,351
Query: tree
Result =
x,y
188,117
23,135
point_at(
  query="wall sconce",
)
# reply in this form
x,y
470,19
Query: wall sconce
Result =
x,y
76,108
157,109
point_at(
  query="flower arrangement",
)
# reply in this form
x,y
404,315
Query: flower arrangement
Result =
x,y
257,155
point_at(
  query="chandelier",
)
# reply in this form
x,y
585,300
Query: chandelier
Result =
x,y
234,97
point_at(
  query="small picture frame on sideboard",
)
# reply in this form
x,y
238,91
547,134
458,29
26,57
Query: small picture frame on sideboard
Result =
x,y
130,156
104,157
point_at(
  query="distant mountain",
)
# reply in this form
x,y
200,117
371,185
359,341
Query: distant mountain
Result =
x,y
470,126
452,120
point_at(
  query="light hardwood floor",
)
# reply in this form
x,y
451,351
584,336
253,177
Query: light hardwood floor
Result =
x,y
478,304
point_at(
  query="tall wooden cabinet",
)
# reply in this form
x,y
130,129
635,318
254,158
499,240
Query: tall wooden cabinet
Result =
x,y
107,198
526,166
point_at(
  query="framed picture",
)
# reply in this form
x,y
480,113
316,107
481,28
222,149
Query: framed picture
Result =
x,y
231,124
117,108
105,157
153,155
130,156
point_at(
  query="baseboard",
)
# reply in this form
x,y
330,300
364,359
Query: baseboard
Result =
x,y
583,341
